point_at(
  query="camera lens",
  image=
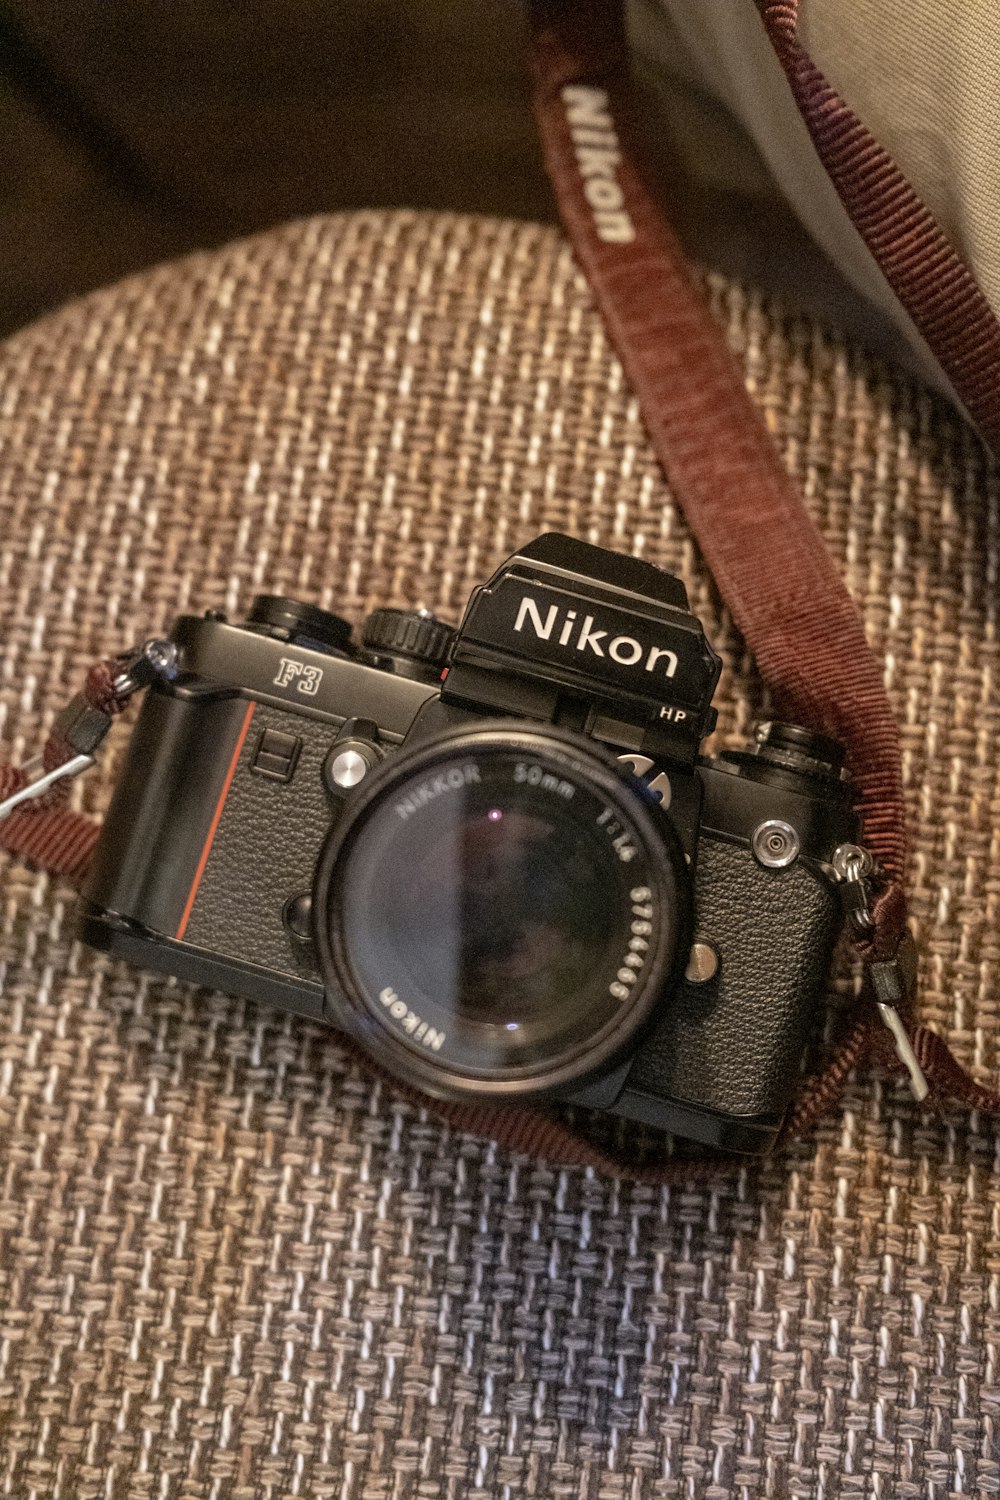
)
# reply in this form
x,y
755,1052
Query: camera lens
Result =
x,y
499,912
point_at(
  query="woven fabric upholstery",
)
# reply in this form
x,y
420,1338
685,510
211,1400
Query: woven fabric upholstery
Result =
x,y
231,1265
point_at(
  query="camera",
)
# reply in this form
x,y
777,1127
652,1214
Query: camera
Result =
x,y
495,856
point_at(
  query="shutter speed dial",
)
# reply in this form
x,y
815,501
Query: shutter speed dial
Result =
x,y
411,643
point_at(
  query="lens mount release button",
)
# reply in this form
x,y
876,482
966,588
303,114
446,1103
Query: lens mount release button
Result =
x,y
702,964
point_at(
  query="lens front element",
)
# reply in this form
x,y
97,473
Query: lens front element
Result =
x,y
500,912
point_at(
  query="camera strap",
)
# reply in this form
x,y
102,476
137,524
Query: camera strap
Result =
x,y
766,555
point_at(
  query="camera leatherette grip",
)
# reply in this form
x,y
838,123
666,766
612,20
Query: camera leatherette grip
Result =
x,y
265,851
734,1045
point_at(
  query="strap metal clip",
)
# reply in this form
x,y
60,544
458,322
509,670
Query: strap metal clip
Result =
x,y
853,868
142,665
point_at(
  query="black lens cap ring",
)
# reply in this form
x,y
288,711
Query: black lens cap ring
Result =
x,y
499,912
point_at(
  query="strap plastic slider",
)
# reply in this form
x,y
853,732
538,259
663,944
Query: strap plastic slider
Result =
x,y
81,725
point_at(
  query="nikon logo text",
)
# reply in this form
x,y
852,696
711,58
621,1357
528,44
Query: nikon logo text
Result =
x,y
588,114
580,635
452,780
410,1021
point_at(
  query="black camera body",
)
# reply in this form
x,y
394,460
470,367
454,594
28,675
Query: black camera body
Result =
x,y
493,856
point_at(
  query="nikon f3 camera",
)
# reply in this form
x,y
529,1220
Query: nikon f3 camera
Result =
x,y
494,856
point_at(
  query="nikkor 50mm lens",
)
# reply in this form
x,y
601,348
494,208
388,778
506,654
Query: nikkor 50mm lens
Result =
x,y
499,911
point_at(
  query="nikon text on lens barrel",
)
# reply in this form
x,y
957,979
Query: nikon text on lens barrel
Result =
x,y
494,856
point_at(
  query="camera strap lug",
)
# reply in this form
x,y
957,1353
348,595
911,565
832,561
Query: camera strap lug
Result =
x,y
142,665
853,868
80,728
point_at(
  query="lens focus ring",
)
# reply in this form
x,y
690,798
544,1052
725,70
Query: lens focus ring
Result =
x,y
498,912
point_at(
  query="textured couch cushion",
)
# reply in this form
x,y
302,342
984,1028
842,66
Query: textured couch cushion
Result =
x,y
231,1264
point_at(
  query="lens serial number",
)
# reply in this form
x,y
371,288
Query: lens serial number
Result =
x,y
640,933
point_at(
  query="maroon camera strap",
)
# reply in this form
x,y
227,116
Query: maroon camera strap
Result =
x,y
768,559
43,831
